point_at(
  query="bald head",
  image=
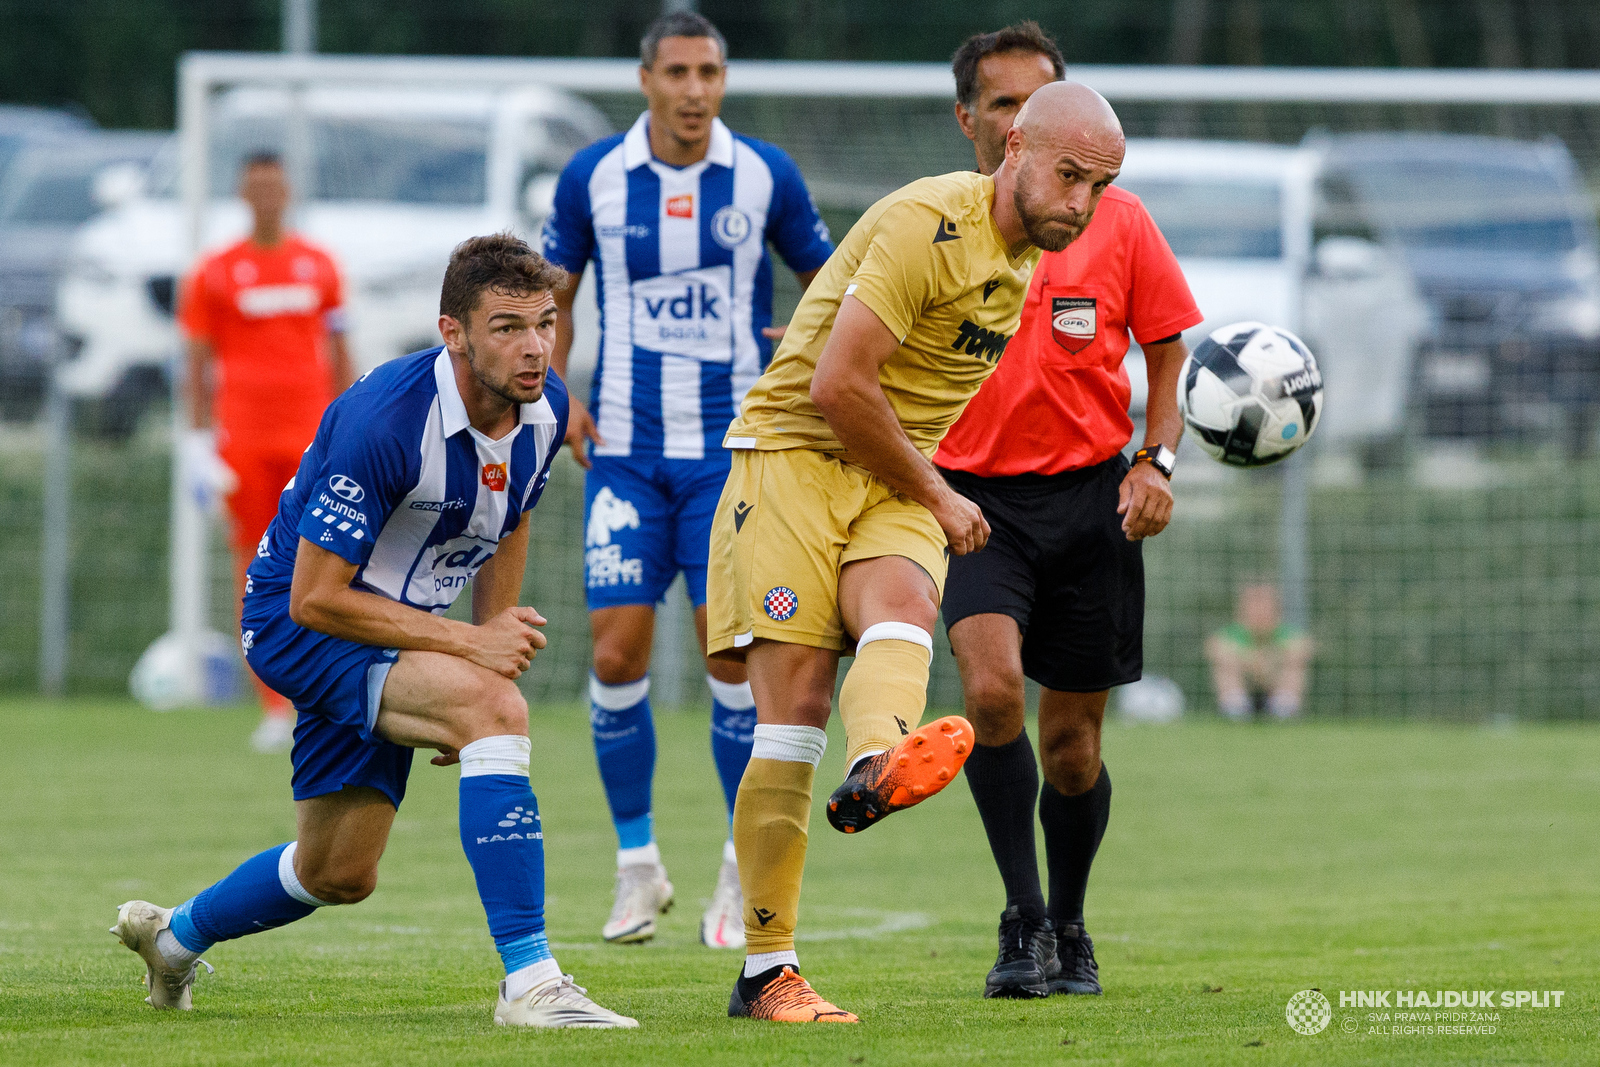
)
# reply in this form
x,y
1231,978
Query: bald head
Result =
x,y
1064,148
1069,111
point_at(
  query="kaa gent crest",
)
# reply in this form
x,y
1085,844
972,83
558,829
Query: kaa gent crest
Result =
x,y
1072,322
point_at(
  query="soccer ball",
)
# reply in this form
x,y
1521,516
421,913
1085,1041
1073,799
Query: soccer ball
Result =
x,y
179,672
1251,393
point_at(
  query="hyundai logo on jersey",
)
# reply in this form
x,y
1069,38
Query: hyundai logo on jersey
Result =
x,y
346,488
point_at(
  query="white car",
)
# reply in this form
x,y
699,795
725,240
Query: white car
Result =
x,y
1242,220
396,179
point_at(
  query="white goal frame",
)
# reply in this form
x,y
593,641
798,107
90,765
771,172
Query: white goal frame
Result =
x,y
203,74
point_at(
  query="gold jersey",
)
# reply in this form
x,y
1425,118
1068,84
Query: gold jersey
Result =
x,y
929,261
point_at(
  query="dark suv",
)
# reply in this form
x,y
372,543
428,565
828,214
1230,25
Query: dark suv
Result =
x,y
1500,235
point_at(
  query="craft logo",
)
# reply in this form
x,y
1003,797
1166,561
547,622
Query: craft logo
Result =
x,y
494,476
1072,322
680,207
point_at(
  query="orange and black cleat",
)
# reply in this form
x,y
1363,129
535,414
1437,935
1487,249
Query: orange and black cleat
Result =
x,y
918,767
782,996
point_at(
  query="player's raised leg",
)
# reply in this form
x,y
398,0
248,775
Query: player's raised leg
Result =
x,y
793,686
891,604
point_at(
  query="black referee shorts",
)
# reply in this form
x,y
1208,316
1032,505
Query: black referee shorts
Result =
x,y
1058,563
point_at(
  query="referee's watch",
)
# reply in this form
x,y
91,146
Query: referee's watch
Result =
x,y
1160,457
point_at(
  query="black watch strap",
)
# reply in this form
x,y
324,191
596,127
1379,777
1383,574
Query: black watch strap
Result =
x,y
1160,457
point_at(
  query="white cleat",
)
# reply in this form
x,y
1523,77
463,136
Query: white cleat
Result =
x,y
273,734
722,926
560,1002
138,923
643,892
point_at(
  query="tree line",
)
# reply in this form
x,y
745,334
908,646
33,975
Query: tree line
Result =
x,y
116,59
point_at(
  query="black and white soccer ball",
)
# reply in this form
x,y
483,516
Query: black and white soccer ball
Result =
x,y
1251,393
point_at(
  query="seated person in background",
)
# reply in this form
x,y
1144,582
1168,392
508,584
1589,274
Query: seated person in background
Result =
x,y
1258,661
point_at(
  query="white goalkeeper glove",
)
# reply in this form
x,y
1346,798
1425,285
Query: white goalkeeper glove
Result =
x,y
205,474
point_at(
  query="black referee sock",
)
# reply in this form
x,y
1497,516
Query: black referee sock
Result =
x,y
1073,827
1004,779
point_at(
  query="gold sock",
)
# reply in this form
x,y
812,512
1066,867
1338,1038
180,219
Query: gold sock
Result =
x,y
885,689
770,818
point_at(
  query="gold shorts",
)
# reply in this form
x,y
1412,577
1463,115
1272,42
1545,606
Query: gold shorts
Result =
x,y
788,521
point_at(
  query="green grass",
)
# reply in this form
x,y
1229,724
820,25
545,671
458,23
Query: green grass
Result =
x,y
1242,865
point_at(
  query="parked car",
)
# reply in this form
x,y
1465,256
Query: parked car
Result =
x,y
394,179
1501,237
1239,217
19,123
48,191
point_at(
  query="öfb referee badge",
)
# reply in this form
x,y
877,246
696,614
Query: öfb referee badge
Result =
x,y
1072,322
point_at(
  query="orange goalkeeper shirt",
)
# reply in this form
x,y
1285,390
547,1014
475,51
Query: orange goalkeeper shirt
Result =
x,y
266,312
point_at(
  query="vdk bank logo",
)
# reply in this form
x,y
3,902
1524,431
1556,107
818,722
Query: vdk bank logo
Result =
x,y
1308,1012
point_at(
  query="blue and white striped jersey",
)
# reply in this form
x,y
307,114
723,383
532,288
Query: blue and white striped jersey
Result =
x,y
683,279
399,483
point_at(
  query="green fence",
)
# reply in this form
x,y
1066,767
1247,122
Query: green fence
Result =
x,y
1457,602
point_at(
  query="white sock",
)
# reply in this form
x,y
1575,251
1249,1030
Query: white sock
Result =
x,y
291,881
735,696
533,975
757,962
728,854
633,857
791,744
172,950
502,754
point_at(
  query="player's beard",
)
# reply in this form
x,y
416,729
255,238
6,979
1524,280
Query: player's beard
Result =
x,y
1051,232
507,390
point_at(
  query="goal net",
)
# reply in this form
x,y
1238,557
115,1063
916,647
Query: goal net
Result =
x,y
1434,540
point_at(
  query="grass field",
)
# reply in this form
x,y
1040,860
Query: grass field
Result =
x,y
1242,865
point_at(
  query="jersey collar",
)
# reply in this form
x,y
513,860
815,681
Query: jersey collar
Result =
x,y
453,410
636,145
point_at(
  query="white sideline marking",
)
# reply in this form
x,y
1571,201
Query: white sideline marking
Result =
x,y
889,922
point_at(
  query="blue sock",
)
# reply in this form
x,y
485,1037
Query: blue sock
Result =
x,y
262,893
733,723
504,842
625,746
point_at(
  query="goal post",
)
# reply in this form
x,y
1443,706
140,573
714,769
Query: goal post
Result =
x,y
859,130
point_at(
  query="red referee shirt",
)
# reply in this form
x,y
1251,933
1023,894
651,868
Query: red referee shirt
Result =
x,y
1058,400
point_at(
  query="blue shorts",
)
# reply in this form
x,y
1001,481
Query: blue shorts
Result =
x,y
645,519
336,686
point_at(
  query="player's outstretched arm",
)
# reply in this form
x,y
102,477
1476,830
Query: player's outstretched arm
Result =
x,y
846,389
1145,502
580,426
321,599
